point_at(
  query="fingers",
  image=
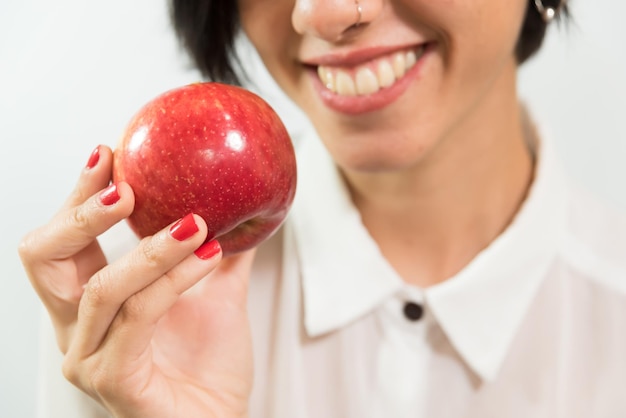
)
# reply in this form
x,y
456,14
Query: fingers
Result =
x,y
78,226
60,256
133,327
94,177
91,209
128,341
161,263
52,254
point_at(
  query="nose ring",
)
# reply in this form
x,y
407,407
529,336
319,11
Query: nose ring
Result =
x,y
359,12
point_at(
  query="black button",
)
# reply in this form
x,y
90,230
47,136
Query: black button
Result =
x,y
413,311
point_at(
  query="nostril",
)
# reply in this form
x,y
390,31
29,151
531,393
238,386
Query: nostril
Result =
x,y
330,20
357,27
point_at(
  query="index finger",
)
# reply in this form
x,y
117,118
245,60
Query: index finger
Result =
x,y
75,228
95,175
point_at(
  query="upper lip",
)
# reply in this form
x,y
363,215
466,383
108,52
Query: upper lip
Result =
x,y
356,56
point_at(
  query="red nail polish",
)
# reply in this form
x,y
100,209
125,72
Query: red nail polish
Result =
x,y
208,250
93,158
184,228
110,195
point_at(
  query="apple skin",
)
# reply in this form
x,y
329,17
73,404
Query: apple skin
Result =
x,y
213,149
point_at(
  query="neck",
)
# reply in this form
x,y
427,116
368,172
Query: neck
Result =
x,y
431,219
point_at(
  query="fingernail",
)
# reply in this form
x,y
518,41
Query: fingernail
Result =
x,y
208,250
93,158
184,228
110,195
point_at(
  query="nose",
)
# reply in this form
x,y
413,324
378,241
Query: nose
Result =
x,y
332,20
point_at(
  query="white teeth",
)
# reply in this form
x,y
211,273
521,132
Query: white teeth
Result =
x,y
398,64
370,77
409,60
366,81
344,84
386,76
327,77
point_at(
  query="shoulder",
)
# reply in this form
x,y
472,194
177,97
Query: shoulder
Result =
x,y
592,276
594,245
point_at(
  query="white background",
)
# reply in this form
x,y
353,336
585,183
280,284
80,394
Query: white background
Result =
x,y
73,72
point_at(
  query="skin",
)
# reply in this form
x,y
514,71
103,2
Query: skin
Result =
x,y
439,173
131,339
436,175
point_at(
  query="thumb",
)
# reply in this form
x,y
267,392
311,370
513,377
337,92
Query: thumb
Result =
x,y
230,279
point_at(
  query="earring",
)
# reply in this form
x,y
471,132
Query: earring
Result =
x,y
548,13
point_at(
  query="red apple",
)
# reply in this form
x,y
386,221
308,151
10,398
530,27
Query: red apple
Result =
x,y
212,149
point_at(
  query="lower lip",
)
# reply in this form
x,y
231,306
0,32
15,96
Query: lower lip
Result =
x,y
355,105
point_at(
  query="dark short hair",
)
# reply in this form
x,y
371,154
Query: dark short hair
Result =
x,y
207,30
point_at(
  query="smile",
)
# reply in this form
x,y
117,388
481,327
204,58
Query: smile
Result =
x,y
369,77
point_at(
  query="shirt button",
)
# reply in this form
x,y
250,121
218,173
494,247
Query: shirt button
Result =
x,y
413,311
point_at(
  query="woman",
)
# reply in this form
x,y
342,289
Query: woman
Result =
x,y
437,262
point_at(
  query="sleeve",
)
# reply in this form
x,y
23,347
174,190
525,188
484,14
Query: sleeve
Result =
x,y
58,398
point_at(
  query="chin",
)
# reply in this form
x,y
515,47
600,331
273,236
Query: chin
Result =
x,y
375,165
374,151
377,159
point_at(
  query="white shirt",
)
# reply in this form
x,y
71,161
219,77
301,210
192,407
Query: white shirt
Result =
x,y
534,326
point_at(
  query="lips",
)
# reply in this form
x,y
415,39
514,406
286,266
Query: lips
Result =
x,y
367,80
371,76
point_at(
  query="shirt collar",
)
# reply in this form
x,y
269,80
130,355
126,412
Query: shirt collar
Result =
x,y
344,275
482,307
343,272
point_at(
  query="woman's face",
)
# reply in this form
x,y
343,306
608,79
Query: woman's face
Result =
x,y
411,76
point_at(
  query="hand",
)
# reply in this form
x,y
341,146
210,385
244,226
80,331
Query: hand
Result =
x,y
162,332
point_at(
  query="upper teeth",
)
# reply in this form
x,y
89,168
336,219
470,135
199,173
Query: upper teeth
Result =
x,y
370,77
